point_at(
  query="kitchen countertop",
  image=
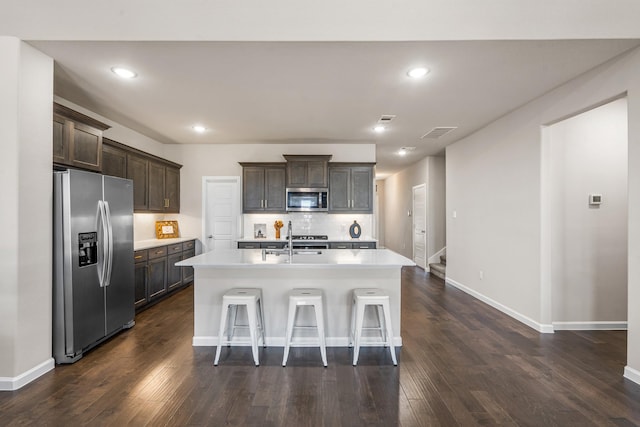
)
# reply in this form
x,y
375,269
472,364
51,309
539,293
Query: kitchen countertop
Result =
x,y
328,258
330,239
154,243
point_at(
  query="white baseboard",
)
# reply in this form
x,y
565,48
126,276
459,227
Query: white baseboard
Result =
x,y
590,326
212,341
540,327
632,374
15,383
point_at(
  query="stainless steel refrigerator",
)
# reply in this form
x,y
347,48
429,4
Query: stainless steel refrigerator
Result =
x,y
93,276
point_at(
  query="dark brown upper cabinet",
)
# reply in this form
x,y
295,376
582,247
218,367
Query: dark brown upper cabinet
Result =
x,y
307,171
156,187
77,139
156,184
156,181
172,189
263,187
78,142
114,159
137,171
351,187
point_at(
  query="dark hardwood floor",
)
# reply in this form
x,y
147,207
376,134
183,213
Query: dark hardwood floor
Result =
x,y
462,364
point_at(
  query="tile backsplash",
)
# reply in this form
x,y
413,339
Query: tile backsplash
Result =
x,y
336,226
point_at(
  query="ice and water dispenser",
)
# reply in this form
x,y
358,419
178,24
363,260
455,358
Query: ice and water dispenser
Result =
x,y
87,248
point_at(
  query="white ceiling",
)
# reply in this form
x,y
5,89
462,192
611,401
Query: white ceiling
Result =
x,y
316,92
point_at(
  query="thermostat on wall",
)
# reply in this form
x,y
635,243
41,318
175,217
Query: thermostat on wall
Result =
x,y
595,199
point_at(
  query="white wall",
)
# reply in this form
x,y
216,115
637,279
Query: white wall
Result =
x,y
398,201
589,243
494,185
26,84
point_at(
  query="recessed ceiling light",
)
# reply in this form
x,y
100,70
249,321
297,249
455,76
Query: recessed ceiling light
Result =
x,y
123,72
417,72
379,129
199,128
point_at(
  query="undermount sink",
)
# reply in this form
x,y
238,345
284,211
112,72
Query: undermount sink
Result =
x,y
279,252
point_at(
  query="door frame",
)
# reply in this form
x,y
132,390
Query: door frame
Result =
x,y
545,324
220,179
413,221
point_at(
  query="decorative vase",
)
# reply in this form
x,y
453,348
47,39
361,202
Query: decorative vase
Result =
x,y
355,230
278,225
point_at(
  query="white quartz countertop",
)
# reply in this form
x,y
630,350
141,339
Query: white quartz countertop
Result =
x,y
154,243
328,258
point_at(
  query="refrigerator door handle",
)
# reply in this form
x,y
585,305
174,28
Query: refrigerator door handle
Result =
x,y
102,264
109,258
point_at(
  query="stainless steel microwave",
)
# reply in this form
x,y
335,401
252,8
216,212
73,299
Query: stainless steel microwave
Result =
x,y
307,199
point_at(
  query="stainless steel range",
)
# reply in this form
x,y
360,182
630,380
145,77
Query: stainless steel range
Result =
x,y
310,241
310,237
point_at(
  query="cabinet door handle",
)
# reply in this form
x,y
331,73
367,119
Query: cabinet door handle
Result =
x,y
137,257
266,204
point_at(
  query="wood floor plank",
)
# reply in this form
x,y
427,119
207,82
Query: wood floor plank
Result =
x,y
462,363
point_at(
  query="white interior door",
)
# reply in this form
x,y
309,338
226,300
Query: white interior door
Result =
x,y
420,225
221,212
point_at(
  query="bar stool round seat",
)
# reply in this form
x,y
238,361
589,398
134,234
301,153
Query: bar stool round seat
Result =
x,y
380,300
251,298
299,298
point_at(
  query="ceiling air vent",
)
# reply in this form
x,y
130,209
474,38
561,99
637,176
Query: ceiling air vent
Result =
x,y
386,118
438,132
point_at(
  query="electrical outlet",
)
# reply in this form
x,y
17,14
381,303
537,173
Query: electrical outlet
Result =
x,y
481,274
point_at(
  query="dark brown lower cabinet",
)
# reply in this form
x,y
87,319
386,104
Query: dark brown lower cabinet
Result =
x,y
141,278
157,277
174,277
156,274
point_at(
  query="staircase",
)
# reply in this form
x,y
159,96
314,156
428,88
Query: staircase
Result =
x,y
439,269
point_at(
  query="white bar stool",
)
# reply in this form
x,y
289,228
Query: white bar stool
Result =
x,y
252,299
380,299
302,297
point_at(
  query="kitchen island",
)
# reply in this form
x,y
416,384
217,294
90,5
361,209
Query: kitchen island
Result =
x,y
336,271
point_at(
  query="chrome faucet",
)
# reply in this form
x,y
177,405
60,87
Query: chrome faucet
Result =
x,y
290,239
